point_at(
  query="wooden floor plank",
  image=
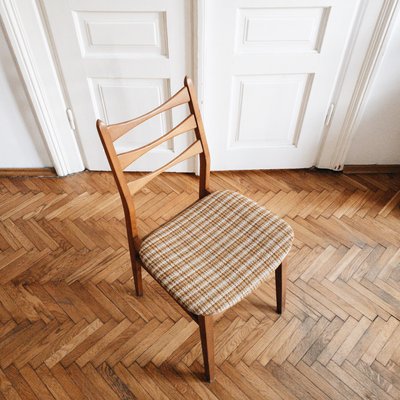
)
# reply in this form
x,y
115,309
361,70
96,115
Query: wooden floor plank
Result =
x,y
72,328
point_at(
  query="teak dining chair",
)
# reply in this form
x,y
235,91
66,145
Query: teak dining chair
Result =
x,y
215,252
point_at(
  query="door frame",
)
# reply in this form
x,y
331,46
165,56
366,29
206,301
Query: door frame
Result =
x,y
46,89
364,56
42,81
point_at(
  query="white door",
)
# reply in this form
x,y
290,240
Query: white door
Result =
x,y
270,70
119,59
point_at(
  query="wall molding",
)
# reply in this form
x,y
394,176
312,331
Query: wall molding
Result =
x,y
340,139
372,169
16,172
38,71
199,53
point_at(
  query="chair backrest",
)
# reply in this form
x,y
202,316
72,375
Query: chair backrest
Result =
x,y
118,162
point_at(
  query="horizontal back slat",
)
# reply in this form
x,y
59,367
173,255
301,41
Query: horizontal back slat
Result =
x,y
129,157
195,148
118,130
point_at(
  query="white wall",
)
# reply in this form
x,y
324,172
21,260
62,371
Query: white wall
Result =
x,y
377,138
21,145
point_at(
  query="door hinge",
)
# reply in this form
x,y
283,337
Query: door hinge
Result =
x,y
71,119
329,114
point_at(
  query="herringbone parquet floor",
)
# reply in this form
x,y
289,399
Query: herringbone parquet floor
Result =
x,y
71,328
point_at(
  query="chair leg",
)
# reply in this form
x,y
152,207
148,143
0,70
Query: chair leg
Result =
x,y
137,277
280,285
136,270
206,325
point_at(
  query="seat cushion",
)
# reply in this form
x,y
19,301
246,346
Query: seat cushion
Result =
x,y
216,252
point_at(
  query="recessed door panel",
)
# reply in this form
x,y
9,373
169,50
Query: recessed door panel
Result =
x,y
281,29
121,33
268,109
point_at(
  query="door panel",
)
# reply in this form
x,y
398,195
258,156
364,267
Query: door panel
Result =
x,y
119,59
268,109
270,70
128,32
263,29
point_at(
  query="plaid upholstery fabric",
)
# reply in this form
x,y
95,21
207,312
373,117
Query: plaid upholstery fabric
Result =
x,y
216,252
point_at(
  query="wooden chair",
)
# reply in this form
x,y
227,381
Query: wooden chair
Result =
x,y
215,252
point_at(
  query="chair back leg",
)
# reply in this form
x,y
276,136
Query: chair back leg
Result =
x,y
136,269
137,277
206,324
280,286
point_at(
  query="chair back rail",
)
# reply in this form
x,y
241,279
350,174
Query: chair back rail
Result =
x,y
191,151
129,157
118,162
118,130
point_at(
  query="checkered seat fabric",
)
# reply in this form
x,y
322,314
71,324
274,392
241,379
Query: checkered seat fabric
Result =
x,y
216,252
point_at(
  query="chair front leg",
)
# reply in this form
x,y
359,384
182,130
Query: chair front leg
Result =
x,y
280,286
206,324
